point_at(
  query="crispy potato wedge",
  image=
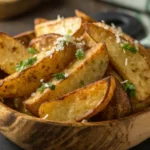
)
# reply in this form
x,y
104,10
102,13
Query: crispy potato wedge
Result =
x,y
45,42
80,104
127,64
24,83
38,21
84,16
11,53
81,73
112,72
89,42
119,106
140,106
25,37
60,26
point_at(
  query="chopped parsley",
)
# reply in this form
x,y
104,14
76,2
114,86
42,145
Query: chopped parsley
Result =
x,y
32,50
130,89
80,54
82,83
129,48
59,76
46,85
69,32
25,64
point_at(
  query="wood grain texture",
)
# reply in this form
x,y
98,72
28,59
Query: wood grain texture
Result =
x,y
33,133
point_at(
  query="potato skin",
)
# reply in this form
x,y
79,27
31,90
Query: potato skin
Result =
x,y
132,70
119,106
81,73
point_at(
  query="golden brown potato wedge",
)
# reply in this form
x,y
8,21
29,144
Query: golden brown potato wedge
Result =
x,y
24,83
89,42
119,106
25,37
127,64
38,21
80,104
11,53
80,73
60,26
84,16
112,72
18,105
140,106
45,42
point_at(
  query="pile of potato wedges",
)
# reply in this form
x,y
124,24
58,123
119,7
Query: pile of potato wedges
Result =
x,y
74,69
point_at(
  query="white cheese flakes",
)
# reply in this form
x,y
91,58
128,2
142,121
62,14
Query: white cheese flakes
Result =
x,y
126,61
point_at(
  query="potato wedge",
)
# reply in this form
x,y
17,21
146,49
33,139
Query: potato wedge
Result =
x,y
84,16
112,72
80,104
24,83
38,21
127,64
140,106
119,106
60,26
11,53
81,73
89,42
45,42
25,37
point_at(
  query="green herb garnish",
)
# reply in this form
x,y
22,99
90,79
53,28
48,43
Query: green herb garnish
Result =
x,y
32,50
130,89
46,85
129,48
80,54
42,88
51,86
25,64
59,76
69,31
82,83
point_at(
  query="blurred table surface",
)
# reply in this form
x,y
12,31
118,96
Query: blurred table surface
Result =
x,y
50,9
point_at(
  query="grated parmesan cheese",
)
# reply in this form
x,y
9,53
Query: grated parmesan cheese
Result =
x,y
66,75
106,27
84,121
103,21
33,94
136,42
113,25
125,81
45,116
59,18
126,61
46,85
41,80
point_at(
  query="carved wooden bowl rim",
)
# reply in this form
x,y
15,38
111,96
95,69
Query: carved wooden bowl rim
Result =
x,y
74,124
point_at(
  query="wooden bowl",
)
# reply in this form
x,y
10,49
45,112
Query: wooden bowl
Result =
x,y
34,133
10,8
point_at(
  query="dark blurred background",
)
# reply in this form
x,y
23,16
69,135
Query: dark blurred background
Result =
x,y
134,21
